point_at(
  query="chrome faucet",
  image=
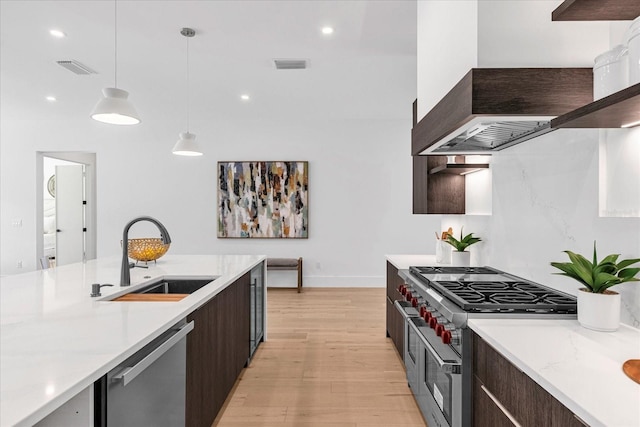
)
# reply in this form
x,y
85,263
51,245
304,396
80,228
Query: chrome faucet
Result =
x,y
125,276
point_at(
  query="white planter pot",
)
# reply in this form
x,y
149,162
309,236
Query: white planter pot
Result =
x,y
600,312
460,259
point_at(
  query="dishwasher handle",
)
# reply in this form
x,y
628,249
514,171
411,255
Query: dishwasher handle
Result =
x,y
126,376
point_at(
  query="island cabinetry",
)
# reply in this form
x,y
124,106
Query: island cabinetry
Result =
x,y
217,351
505,396
395,323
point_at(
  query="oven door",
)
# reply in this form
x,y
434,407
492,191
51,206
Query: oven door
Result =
x,y
411,343
439,378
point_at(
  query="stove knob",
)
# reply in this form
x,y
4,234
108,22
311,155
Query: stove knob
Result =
x,y
439,329
408,296
414,302
423,310
446,336
433,322
401,288
426,316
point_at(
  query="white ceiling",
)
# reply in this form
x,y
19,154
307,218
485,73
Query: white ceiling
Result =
x,y
365,70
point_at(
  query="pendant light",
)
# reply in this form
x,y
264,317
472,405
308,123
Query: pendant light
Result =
x,y
114,107
187,145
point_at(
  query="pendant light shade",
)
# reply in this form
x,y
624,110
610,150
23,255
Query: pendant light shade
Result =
x,y
115,108
187,145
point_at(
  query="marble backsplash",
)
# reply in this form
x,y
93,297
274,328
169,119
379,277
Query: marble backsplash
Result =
x,y
546,200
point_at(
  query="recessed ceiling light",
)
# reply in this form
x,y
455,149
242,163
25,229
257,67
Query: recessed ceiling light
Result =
x,y
51,98
57,33
245,97
327,30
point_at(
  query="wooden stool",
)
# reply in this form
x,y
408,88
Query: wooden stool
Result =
x,y
287,264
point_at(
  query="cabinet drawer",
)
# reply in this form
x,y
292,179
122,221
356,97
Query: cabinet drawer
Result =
x,y
526,400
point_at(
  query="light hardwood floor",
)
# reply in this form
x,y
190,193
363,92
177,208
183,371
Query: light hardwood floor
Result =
x,y
327,362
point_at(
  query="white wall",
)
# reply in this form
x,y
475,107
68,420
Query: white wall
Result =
x,y
447,47
359,187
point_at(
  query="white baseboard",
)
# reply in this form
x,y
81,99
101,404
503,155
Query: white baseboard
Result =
x,y
329,282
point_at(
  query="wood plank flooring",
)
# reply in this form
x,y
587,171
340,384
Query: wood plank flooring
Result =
x,y
327,362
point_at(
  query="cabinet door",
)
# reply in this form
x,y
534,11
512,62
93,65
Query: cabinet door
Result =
x,y
486,413
217,350
395,323
517,393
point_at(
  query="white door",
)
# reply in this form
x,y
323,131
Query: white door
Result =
x,y
69,214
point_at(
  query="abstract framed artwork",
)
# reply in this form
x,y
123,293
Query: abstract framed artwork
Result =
x,y
263,199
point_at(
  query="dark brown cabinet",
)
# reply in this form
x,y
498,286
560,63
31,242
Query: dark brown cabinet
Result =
x,y
395,325
502,393
217,351
596,10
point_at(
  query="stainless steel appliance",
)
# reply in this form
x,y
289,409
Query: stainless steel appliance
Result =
x,y
437,302
149,388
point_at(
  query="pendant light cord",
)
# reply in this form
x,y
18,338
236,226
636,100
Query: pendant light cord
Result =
x,y
115,43
187,84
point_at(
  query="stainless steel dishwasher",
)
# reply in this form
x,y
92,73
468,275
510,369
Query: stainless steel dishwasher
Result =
x,y
149,388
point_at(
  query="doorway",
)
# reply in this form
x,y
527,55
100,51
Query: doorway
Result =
x,y
66,207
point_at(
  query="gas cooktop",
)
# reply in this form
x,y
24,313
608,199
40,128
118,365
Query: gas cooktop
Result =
x,y
487,290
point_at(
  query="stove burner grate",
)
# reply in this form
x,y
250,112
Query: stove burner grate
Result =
x,y
455,270
500,297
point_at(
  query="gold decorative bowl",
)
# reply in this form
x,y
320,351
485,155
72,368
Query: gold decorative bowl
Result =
x,y
147,249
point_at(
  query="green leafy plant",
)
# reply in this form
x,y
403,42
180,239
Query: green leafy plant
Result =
x,y
463,243
598,276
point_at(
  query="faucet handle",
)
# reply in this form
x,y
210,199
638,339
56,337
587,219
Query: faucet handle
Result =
x,y
95,289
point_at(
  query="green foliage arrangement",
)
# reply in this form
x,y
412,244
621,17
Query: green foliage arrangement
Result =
x,y
598,276
463,243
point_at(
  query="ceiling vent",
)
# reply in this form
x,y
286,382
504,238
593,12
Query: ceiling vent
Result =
x,y
290,64
76,67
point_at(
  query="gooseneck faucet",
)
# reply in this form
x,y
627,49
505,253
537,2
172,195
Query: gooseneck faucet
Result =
x,y
125,276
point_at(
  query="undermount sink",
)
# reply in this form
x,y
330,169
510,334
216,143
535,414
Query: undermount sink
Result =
x,y
163,289
173,286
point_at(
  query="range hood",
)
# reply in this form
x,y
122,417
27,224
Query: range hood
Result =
x,y
491,109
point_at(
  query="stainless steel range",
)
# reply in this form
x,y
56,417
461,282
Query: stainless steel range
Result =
x,y
437,302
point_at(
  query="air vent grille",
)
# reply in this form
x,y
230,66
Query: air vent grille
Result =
x,y
76,67
290,64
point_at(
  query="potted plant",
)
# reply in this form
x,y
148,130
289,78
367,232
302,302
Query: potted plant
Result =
x,y
598,306
460,257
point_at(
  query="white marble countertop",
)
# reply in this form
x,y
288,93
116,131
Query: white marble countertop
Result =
x,y
55,340
402,262
579,367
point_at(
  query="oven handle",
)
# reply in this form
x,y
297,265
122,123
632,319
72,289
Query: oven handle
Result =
x,y
448,366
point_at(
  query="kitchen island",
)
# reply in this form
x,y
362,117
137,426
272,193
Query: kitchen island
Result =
x,y
56,340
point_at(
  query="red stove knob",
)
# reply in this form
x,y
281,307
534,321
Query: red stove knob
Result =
x,y
426,316
446,337
433,322
423,310
401,288
439,329
414,302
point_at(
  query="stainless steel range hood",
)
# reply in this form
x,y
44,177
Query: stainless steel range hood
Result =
x,y
491,109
